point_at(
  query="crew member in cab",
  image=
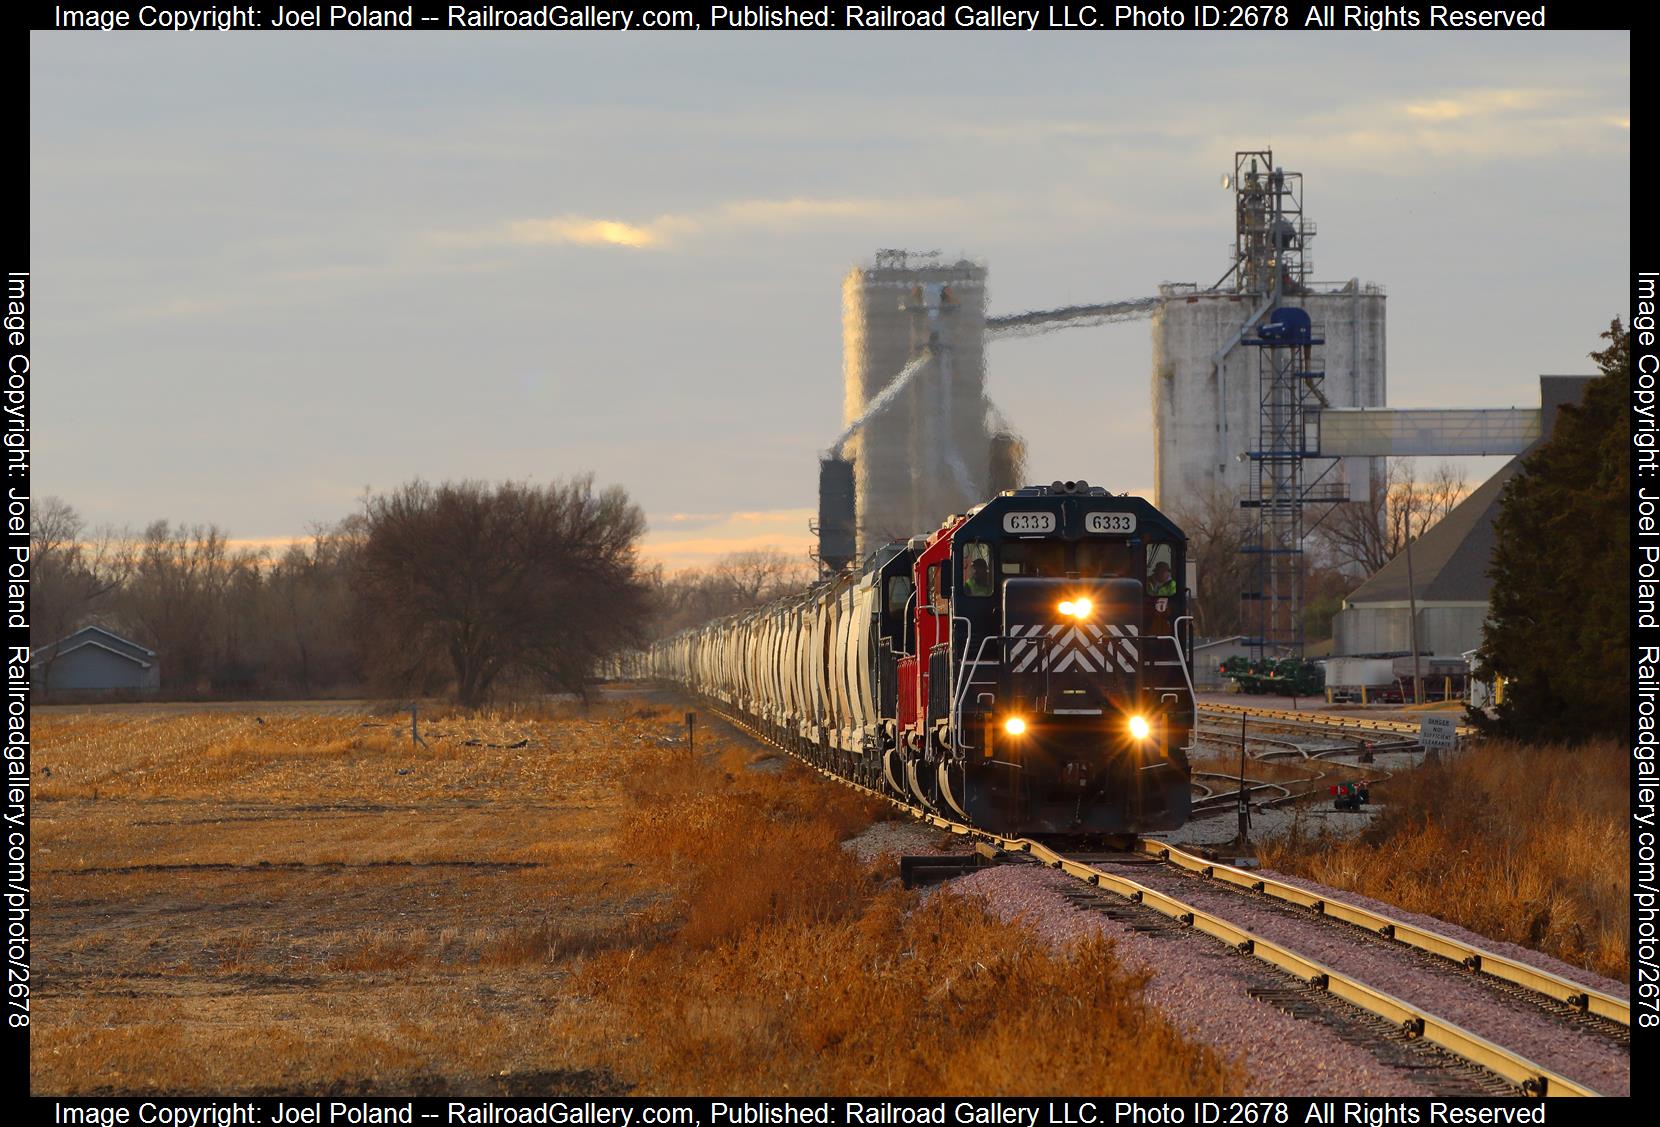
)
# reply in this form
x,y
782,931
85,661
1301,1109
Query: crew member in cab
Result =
x,y
1161,588
977,570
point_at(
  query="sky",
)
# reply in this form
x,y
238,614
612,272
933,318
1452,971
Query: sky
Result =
x,y
273,270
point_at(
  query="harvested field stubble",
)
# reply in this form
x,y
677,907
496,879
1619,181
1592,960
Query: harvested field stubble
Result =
x,y
303,903
1524,844
533,903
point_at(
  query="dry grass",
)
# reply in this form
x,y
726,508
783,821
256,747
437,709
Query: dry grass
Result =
x,y
795,969
538,901
1526,845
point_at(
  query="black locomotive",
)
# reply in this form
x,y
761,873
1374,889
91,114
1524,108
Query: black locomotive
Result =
x,y
1025,668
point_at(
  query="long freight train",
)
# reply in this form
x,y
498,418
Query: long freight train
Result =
x,y
1024,668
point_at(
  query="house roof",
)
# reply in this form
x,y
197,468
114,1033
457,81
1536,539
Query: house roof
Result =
x,y
1450,561
95,636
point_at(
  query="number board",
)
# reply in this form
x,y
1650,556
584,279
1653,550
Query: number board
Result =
x,y
1030,524
1110,524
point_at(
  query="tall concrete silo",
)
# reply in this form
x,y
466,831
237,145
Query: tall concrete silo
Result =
x,y
913,356
1241,371
1208,389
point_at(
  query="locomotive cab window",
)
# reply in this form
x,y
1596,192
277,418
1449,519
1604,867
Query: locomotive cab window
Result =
x,y
1034,557
977,579
939,589
1161,575
1105,559
897,623
899,593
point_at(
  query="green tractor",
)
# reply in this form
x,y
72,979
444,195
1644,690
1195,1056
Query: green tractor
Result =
x,y
1285,677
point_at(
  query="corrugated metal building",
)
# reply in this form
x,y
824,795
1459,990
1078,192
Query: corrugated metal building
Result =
x,y
94,660
1449,564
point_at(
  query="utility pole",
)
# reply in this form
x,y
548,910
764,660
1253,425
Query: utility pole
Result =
x,y
1412,605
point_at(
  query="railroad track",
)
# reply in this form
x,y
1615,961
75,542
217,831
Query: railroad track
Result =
x,y
1318,762
1414,1021
1338,720
1574,996
1291,740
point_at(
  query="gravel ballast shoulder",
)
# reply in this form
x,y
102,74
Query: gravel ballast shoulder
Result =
x,y
1436,985
1203,987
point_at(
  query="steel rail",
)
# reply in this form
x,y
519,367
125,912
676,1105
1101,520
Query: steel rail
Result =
x,y
1532,1078
1479,959
1354,723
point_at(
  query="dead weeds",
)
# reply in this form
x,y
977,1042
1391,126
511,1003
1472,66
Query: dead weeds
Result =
x,y
1524,844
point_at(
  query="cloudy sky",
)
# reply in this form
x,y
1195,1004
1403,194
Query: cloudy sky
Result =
x,y
271,270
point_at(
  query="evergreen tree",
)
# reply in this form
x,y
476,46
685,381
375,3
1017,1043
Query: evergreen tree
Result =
x,y
1559,629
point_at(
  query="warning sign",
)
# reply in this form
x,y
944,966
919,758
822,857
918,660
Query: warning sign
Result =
x,y
1438,731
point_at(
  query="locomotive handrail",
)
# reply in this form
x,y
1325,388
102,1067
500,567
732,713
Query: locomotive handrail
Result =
x,y
1193,695
1177,627
960,693
1181,656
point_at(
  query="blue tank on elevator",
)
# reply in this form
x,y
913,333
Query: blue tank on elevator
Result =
x,y
1287,325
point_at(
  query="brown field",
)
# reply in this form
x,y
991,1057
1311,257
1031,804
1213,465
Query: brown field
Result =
x,y
537,901
1527,845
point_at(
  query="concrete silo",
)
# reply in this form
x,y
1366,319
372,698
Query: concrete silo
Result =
x,y
1241,372
913,356
1206,389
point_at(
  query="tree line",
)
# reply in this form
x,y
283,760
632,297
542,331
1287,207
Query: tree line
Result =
x,y
461,588
1345,544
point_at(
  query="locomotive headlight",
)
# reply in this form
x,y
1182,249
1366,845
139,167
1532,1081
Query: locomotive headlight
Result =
x,y
1014,725
1076,608
1067,608
1139,728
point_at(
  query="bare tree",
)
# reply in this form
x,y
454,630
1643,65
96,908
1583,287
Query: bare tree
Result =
x,y
759,575
734,583
1217,528
307,609
187,597
1366,534
515,582
74,574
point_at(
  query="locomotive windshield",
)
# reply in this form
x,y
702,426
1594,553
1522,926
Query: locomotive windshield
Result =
x,y
1033,557
1109,558
1055,559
